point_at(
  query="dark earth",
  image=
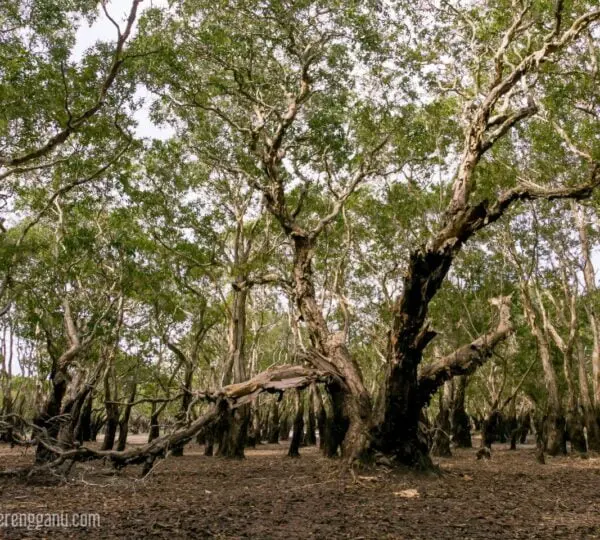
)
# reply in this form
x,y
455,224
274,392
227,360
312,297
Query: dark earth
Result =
x,y
269,495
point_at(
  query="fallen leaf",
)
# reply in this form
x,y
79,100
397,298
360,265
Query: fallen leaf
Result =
x,y
368,478
407,493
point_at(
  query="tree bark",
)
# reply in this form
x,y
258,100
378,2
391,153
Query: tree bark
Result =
x,y
589,413
112,409
321,415
84,433
273,423
555,421
298,425
124,420
310,438
154,432
459,419
186,400
46,419
235,428
589,275
441,438
284,424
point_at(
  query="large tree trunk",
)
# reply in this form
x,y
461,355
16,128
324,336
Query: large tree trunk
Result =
x,y
405,393
235,433
235,428
73,409
351,424
46,419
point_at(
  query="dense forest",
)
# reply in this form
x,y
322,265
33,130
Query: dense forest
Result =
x,y
371,228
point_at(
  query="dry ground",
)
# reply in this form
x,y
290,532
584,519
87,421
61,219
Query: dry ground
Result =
x,y
269,495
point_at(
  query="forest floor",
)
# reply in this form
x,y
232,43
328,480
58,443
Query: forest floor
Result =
x,y
269,495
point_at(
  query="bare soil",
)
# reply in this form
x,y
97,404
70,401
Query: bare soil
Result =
x,y
268,495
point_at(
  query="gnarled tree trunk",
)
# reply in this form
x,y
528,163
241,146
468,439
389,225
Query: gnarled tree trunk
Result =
x,y
235,428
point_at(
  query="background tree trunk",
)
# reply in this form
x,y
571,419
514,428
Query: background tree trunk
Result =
x,y
112,409
273,422
310,438
441,437
298,425
459,419
124,420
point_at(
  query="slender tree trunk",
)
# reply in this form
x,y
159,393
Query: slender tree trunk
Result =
x,y
284,424
186,400
124,420
254,429
154,425
84,434
512,424
273,423
298,425
459,419
112,409
589,275
6,407
310,438
555,420
321,415
441,438
589,414
574,417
